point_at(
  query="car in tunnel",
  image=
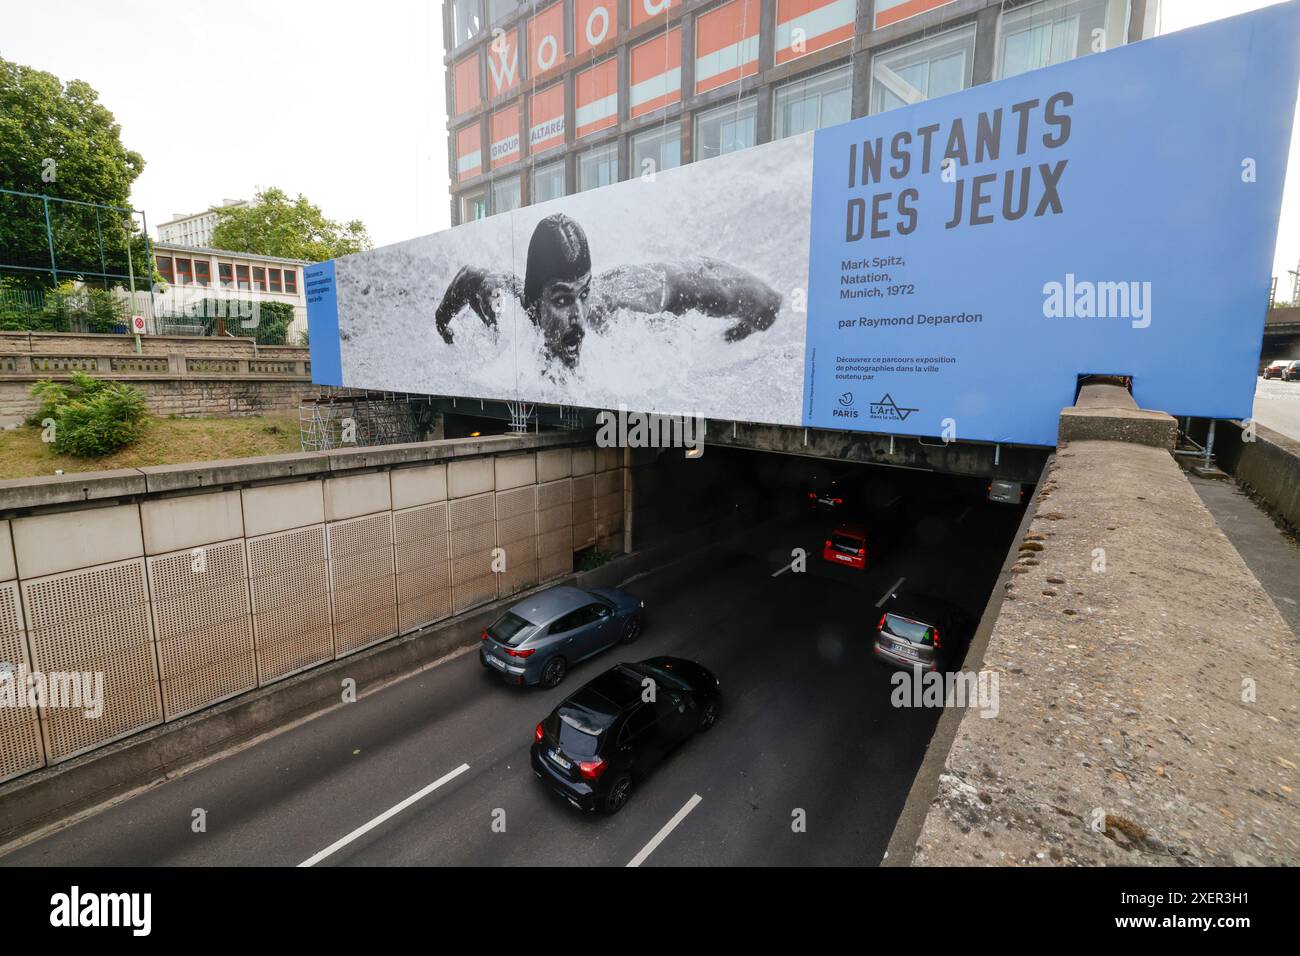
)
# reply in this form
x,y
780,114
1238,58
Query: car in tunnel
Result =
x,y
921,631
847,545
1275,369
1291,372
605,737
539,639
829,492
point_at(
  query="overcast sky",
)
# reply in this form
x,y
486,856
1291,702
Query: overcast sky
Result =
x,y
340,100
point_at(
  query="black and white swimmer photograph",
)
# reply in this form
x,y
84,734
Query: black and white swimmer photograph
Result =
x,y
623,296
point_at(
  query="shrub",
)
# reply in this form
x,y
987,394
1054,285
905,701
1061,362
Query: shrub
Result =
x,y
92,418
273,321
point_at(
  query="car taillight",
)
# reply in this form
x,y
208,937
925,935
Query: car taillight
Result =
x,y
538,734
527,652
484,634
837,501
934,636
862,551
881,625
812,494
591,769
828,544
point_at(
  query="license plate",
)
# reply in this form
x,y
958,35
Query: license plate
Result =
x,y
559,760
841,557
497,662
905,650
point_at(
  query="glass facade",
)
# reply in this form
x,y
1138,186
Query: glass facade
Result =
x,y
548,181
923,70
725,129
809,103
598,167
506,195
656,149
1053,31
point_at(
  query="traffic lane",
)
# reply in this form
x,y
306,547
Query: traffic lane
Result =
x,y
807,726
285,798
1277,406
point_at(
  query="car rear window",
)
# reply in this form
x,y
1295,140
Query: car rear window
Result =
x,y
509,629
578,738
845,543
914,631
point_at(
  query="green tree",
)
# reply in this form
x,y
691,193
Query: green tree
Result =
x,y
58,140
275,225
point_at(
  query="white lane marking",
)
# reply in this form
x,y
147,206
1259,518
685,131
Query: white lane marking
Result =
x,y
894,501
964,513
784,569
387,814
668,828
888,594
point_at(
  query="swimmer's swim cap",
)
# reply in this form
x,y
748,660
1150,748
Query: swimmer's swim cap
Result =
x,y
558,250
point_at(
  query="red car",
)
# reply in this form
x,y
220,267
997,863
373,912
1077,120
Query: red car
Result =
x,y
847,545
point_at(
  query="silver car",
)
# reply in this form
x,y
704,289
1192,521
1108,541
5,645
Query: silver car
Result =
x,y
541,637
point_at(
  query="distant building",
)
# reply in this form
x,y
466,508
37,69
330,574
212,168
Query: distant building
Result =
x,y
190,270
550,97
195,229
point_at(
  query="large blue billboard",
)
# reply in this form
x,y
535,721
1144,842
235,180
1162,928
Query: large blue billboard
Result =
x,y
947,269
972,255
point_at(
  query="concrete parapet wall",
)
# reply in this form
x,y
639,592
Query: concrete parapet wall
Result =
x,y
178,375
188,585
1146,706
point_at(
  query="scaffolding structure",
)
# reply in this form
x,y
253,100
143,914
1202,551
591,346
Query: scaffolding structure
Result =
x,y
348,418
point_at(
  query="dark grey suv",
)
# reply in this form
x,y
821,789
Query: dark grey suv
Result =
x,y
541,637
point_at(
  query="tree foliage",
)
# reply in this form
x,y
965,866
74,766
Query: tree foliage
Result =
x,y
91,417
275,225
57,139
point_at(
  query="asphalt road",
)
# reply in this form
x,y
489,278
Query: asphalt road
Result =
x,y
807,725
1277,406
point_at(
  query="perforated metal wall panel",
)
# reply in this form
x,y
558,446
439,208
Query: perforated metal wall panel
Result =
x,y
95,621
554,542
553,519
609,483
554,493
521,567
363,582
21,749
473,536
554,565
584,512
289,580
423,569
518,528
203,624
467,512
473,593
609,514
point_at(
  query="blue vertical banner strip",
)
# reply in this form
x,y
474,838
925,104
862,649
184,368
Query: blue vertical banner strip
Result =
x,y
323,324
971,256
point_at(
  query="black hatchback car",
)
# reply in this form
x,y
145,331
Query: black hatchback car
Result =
x,y
601,741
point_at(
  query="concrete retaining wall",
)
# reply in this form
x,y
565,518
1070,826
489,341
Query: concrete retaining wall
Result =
x,y
187,585
1269,466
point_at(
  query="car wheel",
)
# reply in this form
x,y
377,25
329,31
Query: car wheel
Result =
x,y
709,717
618,795
632,630
554,671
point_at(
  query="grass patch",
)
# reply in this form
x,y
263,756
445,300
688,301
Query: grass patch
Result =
x,y
166,441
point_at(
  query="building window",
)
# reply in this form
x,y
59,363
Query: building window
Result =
x,y
656,149
726,129
291,281
923,70
202,272
225,275
241,278
165,268
473,206
598,167
183,275
259,278
548,181
1053,31
274,276
506,195
499,8
466,20
823,99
